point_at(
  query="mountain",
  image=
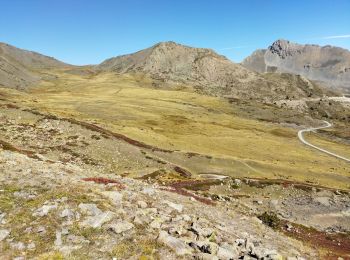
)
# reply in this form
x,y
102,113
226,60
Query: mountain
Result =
x,y
170,65
208,73
20,68
327,64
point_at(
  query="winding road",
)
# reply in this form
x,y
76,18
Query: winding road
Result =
x,y
301,138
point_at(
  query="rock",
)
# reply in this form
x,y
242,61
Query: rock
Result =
x,y
67,213
205,247
98,220
289,227
58,241
115,196
20,246
148,211
186,218
89,209
19,258
177,230
175,206
178,246
273,203
44,210
65,231
41,230
73,239
259,202
275,256
237,182
2,218
249,246
141,204
148,191
31,246
325,201
248,257
201,231
226,252
120,227
4,233
24,195
156,223
142,219
204,256
28,230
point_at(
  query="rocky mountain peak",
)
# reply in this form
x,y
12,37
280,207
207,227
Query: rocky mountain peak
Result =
x,y
284,48
327,64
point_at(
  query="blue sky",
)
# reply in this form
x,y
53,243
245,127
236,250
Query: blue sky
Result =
x,y
89,31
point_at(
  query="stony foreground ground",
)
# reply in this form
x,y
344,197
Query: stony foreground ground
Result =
x,y
61,199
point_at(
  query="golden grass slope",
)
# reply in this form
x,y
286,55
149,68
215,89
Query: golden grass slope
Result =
x,y
186,122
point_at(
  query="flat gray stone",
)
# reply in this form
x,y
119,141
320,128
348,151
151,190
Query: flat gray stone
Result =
x,y
98,220
44,210
89,209
115,196
120,227
178,246
177,207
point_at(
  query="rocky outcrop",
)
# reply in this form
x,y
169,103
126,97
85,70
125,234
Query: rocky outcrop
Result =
x,y
327,64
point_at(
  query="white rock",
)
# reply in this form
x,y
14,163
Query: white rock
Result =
x,y
31,246
58,241
275,256
2,218
4,233
325,201
175,206
259,202
226,252
98,220
67,213
73,239
120,227
156,224
115,196
141,204
89,209
44,210
175,244
149,191
18,246
186,217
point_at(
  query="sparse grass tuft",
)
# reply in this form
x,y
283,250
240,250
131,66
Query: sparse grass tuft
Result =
x,y
270,219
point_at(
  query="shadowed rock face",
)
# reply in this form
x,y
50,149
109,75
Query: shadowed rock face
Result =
x,y
20,68
328,64
209,73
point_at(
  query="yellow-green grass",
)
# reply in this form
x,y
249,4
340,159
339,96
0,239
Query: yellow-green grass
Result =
x,y
188,122
332,146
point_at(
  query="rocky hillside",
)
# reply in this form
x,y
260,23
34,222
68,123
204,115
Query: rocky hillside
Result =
x,y
58,200
20,68
208,72
327,64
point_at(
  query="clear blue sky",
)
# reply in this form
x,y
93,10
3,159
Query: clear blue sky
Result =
x,y
89,31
